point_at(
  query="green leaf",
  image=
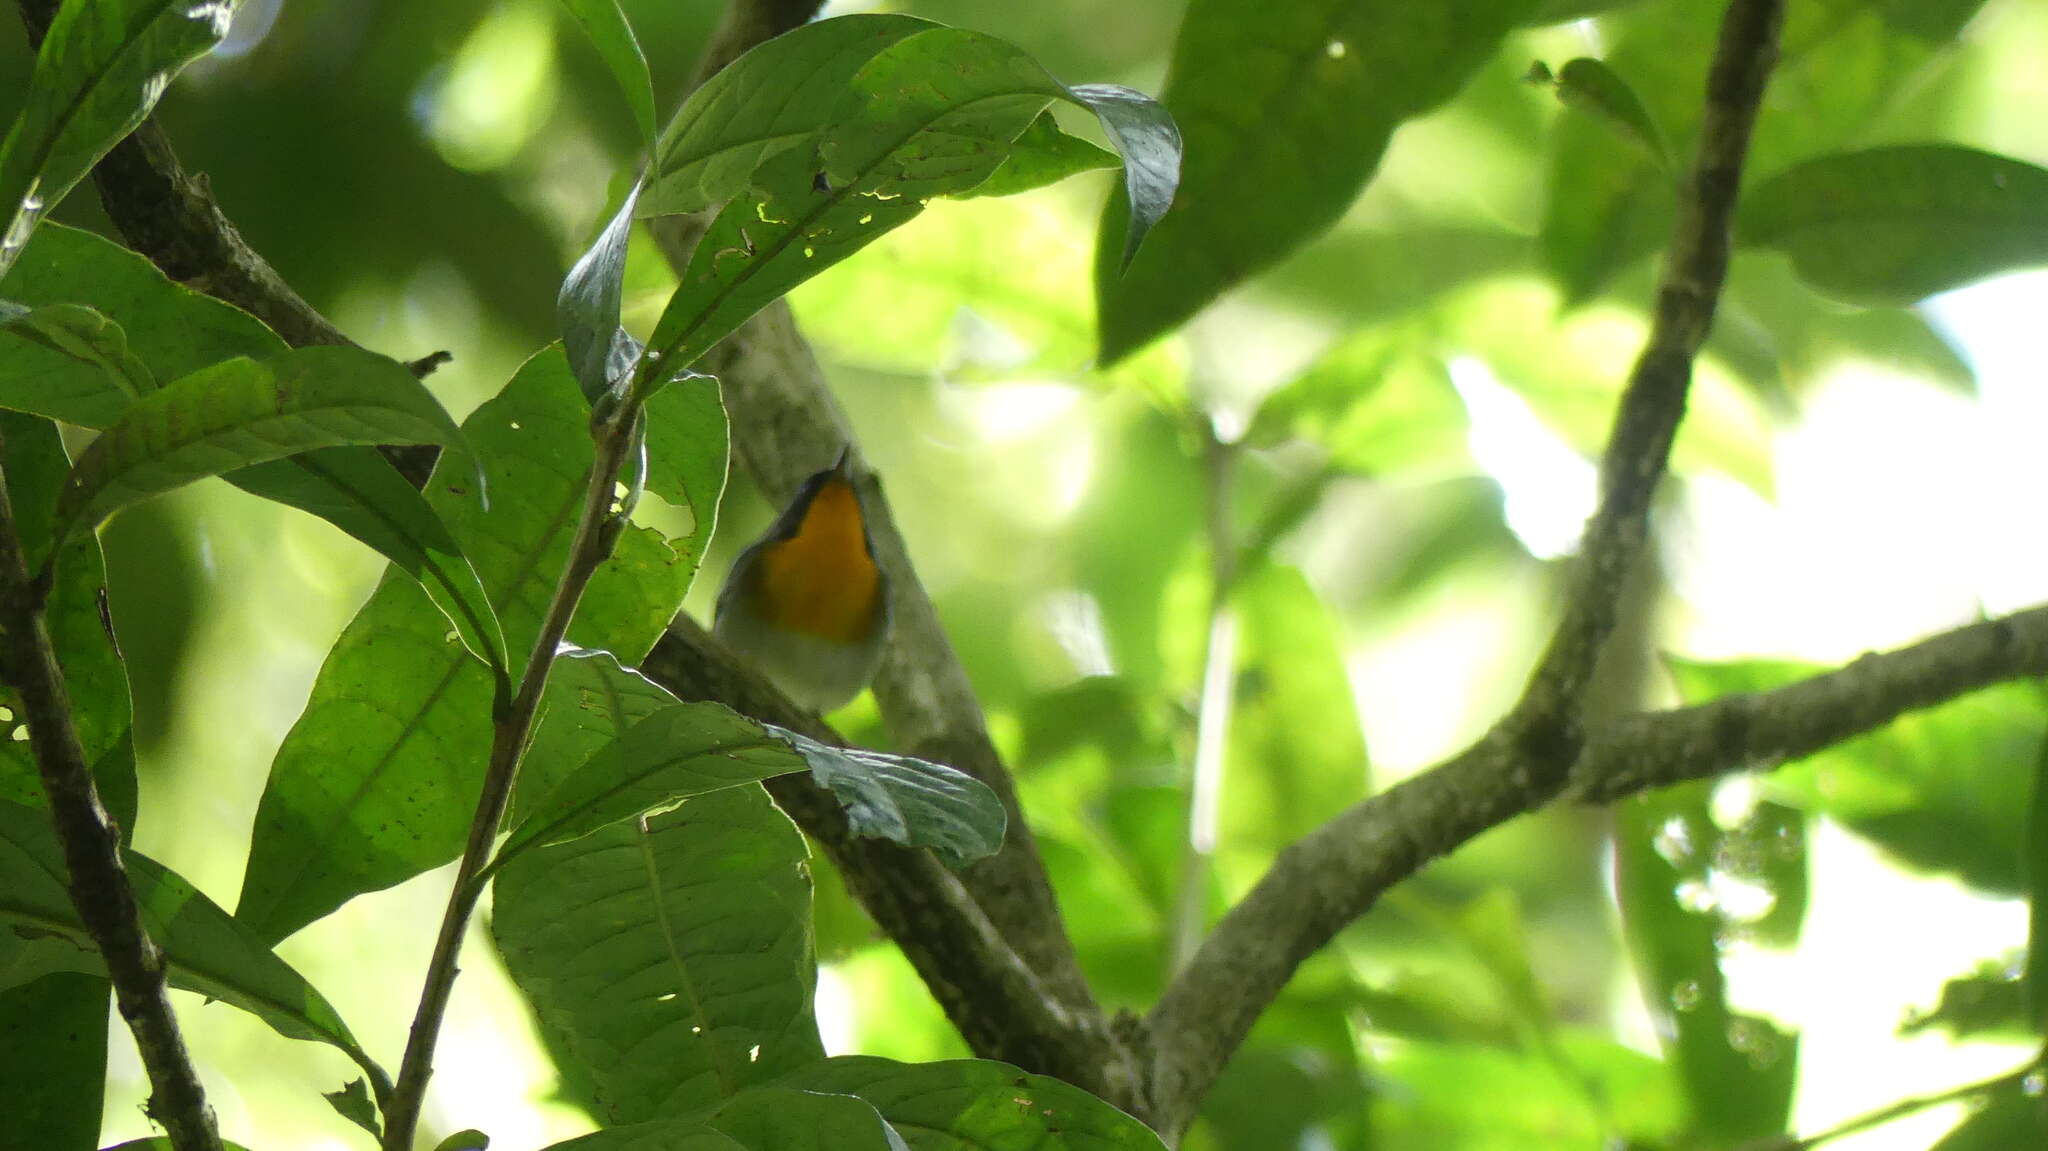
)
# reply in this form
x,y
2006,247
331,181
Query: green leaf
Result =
x,y
772,98
205,949
1042,155
1893,225
354,1104
243,412
469,1139
909,801
590,700
683,750
587,308
1379,402
1290,679
761,1119
163,1143
777,1119
171,328
53,1059
612,35
1738,1072
1593,87
658,1136
377,780
100,70
84,335
360,492
668,957
179,331
1281,139
32,454
2012,1118
930,114
1144,132
966,1103
1842,66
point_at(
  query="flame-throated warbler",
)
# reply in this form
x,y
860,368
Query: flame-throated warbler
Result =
x,y
806,600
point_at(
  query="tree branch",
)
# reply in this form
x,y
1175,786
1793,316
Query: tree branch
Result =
x,y
998,1004
785,426
170,216
1333,875
92,852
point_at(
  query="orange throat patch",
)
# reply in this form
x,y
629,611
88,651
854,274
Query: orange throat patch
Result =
x,y
821,581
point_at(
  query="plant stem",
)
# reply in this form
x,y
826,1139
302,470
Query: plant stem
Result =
x,y
1212,710
512,726
1898,1110
92,852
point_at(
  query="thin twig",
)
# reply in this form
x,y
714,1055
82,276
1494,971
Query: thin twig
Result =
x,y
98,882
1332,876
512,726
1890,1112
1213,706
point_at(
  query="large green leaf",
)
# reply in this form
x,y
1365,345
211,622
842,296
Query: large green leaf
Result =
x,y
928,114
1280,139
683,750
377,779
101,68
1893,225
205,949
169,327
53,1060
669,957
910,801
1842,66
609,32
966,1104
241,412
773,97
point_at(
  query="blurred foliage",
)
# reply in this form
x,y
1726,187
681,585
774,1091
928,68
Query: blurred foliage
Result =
x,y
424,174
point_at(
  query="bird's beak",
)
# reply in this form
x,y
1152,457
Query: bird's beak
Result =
x,y
843,466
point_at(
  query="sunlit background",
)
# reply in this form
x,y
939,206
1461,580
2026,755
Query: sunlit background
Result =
x,y
425,172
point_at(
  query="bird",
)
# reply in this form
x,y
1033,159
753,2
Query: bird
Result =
x,y
806,601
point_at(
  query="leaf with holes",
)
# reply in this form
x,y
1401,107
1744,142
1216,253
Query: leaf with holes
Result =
x,y
1042,155
909,801
99,72
669,957
930,114
775,96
